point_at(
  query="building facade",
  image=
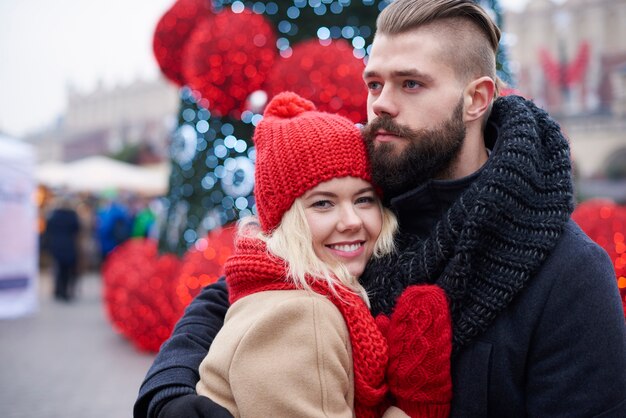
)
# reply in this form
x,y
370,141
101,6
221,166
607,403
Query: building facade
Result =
x,y
570,58
106,120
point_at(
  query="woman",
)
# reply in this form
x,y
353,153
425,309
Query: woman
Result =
x,y
298,339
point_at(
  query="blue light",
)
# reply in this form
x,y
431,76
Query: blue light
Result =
x,y
315,3
202,126
227,129
336,8
365,31
258,8
220,151
358,53
320,10
189,115
237,7
230,141
220,171
211,161
203,114
256,119
284,26
299,3
217,196
323,33
208,182
293,12
241,146
190,235
241,203
358,42
282,43
246,116
271,8
335,32
347,32
228,202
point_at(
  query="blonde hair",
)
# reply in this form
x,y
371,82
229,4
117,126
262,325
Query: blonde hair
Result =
x,y
292,241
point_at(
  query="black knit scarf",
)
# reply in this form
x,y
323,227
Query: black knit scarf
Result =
x,y
496,235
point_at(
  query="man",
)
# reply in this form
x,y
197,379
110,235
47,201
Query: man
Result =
x,y
483,192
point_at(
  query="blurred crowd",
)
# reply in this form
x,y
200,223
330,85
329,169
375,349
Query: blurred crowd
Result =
x,y
78,231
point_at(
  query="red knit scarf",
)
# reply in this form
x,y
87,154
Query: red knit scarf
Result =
x,y
251,269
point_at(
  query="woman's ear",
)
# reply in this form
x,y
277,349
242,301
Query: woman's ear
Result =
x,y
478,98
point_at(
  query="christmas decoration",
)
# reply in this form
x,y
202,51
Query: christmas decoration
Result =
x,y
139,293
172,32
227,57
562,73
212,176
605,223
328,75
204,263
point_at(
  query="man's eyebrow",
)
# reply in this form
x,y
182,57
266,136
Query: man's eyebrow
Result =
x,y
400,73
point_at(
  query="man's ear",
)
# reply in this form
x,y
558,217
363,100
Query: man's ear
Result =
x,y
478,96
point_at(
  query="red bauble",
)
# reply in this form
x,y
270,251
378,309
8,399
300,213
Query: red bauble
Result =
x,y
227,57
204,264
139,293
330,76
172,32
605,223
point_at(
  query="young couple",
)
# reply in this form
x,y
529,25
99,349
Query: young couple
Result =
x,y
493,302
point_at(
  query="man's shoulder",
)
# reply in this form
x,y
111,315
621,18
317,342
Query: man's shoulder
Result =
x,y
575,242
577,255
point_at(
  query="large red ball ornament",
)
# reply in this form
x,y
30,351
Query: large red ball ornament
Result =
x,y
328,75
227,57
204,263
139,293
172,32
605,223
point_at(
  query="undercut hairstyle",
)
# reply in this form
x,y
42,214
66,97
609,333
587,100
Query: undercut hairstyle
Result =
x,y
292,241
471,35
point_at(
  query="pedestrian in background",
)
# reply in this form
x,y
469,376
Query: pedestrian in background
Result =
x,y
61,241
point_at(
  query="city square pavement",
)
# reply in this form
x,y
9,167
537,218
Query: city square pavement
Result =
x,y
66,361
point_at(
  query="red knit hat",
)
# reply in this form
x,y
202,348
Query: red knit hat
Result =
x,y
297,148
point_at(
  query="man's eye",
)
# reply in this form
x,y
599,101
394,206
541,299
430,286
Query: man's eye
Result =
x,y
411,84
373,85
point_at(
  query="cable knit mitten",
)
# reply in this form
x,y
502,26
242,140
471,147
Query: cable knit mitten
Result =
x,y
420,344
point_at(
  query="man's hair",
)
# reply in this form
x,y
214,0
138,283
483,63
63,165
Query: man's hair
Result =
x,y
472,35
292,241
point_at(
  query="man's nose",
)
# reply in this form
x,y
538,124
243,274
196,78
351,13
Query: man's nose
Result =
x,y
385,103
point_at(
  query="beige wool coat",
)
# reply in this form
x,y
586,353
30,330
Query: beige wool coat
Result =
x,y
283,353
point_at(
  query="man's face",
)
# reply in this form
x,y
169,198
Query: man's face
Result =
x,y
415,110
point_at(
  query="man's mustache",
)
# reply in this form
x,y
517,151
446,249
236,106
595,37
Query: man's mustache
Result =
x,y
387,124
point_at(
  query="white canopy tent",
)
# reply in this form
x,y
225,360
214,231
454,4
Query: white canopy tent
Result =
x,y
18,229
98,173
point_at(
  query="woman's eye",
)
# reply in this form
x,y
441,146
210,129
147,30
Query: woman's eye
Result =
x,y
366,200
322,204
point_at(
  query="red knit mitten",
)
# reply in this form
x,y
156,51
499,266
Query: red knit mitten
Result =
x,y
420,345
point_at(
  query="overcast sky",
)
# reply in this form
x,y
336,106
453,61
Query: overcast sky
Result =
x,y
47,45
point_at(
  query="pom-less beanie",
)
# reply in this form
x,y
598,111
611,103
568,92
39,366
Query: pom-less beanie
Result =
x,y
297,148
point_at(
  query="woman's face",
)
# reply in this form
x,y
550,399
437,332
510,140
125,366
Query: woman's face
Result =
x,y
345,220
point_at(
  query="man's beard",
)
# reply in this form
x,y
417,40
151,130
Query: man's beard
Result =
x,y
429,153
